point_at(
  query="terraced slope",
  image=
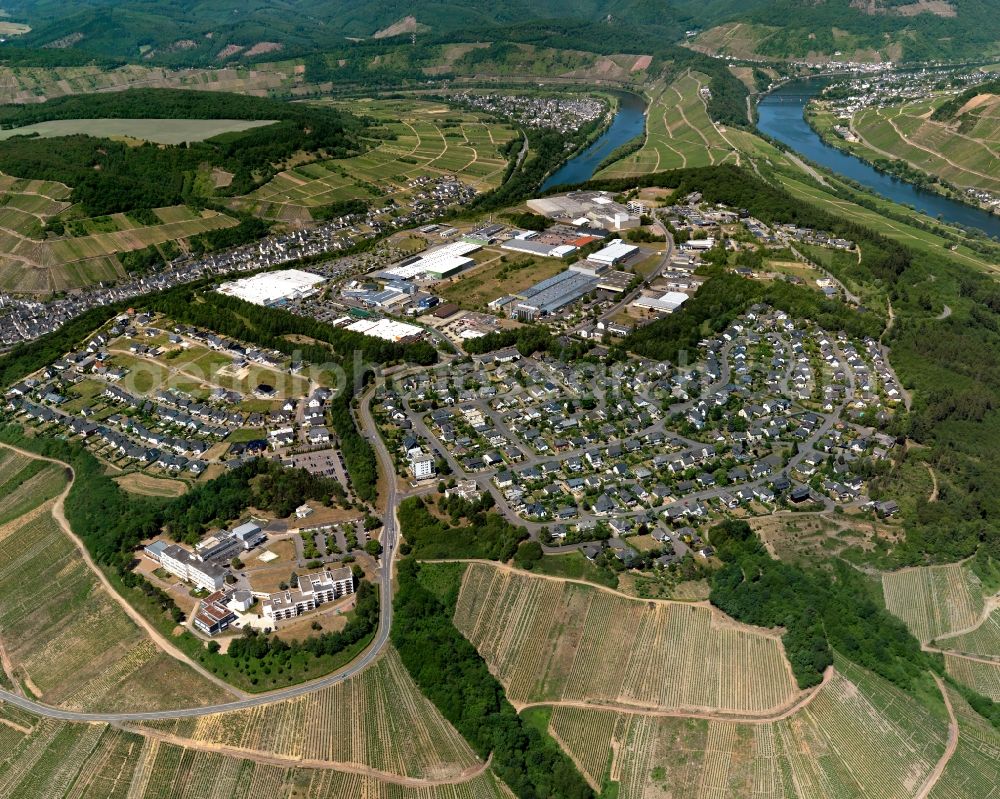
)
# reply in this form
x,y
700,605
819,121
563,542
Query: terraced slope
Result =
x,y
377,719
859,737
551,640
934,600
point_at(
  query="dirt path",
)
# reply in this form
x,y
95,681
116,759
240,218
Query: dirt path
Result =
x,y
708,714
272,759
991,604
949,748
933,497
962,655
58,513
8,668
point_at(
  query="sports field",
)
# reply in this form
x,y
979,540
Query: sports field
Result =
x,y
425,139
679,132
159,131
859,737
548,639
69,642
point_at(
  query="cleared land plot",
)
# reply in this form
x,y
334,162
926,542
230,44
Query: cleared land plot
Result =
x,y
860,737
70,642
426,140
550,640
484,284
160,131
679,132
147,485
377,719
934,600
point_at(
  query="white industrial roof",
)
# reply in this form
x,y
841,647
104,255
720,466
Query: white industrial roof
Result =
x,y
269,288
386,329
615,251
670,301
439,261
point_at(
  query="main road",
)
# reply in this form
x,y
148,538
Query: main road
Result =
x,y
389,535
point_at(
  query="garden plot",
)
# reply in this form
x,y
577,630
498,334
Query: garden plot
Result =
x,y
549,640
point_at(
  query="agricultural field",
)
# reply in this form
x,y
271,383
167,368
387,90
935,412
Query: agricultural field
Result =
x,y
428,140
679,132
42,757
974,768
377,719
980,675
984,640
159,131
34,84
859,737
550,640
30,263
934,600
70,643
963,151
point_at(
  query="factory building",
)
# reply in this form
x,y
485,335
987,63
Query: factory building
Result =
x,y
438,263
595,209
273,288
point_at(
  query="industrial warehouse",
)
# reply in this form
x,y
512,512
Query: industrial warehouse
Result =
x,y
594,209
273,288
435,264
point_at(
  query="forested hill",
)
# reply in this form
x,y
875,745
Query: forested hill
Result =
x,y
210,31
181,104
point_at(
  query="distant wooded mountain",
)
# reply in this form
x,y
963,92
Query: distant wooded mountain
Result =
x,y
217,31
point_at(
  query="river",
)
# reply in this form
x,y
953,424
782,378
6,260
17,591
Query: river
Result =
x,y
780,116
629,122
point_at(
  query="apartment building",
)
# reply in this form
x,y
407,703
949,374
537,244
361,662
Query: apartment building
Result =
x,y
313,590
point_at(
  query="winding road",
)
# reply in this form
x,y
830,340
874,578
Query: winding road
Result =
x,y
389,535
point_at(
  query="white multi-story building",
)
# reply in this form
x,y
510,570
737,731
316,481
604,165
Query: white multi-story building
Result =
x,y
421,464
313,590
189,567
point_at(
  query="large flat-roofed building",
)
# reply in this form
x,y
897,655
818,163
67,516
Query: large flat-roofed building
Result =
x,y
667,303
437,263
313,590
273,288
553,293
538,248
386,329
616,252
586,208
190,568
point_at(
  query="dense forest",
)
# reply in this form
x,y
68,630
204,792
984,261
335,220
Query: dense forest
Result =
x,y
110,176
166,33
482,535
